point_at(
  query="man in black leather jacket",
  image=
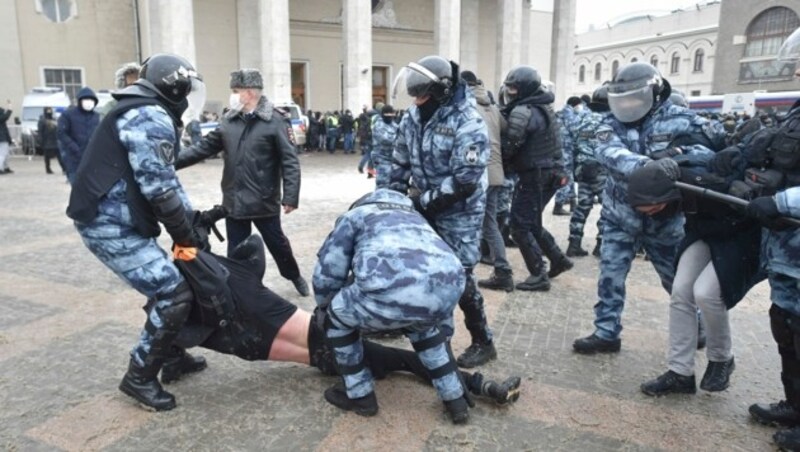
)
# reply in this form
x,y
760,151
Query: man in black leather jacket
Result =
x,y
259,158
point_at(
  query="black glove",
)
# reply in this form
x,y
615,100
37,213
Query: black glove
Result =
x,y
168,209
763,208
726,161
417,204
668,166
666,153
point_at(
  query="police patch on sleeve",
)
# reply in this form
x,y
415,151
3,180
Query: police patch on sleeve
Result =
x,y
603,136
166,152
472,155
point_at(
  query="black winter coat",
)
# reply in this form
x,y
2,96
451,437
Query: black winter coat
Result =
x,y
258,158
5,136
48,136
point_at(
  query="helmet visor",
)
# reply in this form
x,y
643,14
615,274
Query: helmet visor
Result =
x,y
412,81
790,50
197,96
631,106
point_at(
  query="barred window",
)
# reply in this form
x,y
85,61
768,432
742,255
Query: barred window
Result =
x,y
68,79
768,30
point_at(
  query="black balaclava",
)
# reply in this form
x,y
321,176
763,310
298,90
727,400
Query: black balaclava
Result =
x,y
427,109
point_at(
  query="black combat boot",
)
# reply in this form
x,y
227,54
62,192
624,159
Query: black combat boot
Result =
x,y
596,250
574,249
179,364
592,344
558,209
669,383
535,283
477,354
558,266
787,439
502,393
458,410
140,382
336,395
780,413
500,280
717,376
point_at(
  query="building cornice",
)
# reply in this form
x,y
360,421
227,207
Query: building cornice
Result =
x,y
648,39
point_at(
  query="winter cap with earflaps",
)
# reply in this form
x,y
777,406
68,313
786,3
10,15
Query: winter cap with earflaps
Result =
x,y
246,79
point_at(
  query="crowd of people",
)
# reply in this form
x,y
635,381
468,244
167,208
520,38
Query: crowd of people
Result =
x,y
461,177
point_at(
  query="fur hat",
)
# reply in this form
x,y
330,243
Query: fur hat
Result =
x,y
573,101
246,78
122,73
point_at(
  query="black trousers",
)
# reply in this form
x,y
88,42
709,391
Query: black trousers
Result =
x,y
276,241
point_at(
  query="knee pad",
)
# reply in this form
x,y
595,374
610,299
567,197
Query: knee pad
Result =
x,y
175,314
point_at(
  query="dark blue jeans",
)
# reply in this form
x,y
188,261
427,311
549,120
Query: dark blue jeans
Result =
x,y
532,192
276,241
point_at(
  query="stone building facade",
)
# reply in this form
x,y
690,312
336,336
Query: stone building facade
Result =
x,y
681,44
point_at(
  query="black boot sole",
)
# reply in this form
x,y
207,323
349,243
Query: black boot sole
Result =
x,y
143,402
334,398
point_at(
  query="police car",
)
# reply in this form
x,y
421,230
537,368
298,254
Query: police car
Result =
x,y
298,119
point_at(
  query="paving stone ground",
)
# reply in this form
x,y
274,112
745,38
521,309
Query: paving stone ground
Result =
x,y
67,324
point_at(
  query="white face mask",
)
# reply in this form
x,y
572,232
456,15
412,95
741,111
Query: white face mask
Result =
x,y
87,104
235,102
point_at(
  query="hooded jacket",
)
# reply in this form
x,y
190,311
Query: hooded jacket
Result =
x,y
259,158
75,128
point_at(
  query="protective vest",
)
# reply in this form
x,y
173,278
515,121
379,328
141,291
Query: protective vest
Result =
x,y
541,149
774,158
103,164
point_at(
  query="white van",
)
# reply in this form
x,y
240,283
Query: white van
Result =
x,y
33,107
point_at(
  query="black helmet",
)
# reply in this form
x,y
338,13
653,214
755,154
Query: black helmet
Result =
x,y
635,91
434,76
521,82
599,102
171,75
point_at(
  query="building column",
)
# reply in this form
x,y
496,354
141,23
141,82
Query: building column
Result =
x,y
540,35
563,48
525,34
248,32
357,51
273,23
509,34
470,36
447,29
171,29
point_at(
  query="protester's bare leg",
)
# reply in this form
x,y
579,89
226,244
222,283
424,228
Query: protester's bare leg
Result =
x,y
291,343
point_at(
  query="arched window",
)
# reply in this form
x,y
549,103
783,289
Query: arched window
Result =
x,y
699,56
598,69
768,30
634,59
614,68
675,63
765,34
582,74
56,10
654,61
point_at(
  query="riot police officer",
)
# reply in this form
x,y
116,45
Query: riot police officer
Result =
x,y
442,142
532,150
644,130
780,252
404,276
124,187
384,131
589,174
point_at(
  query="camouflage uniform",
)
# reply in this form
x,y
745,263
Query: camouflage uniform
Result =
x,y
404,276
383,135
111,236
567,118
621,150
588,173
451,151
